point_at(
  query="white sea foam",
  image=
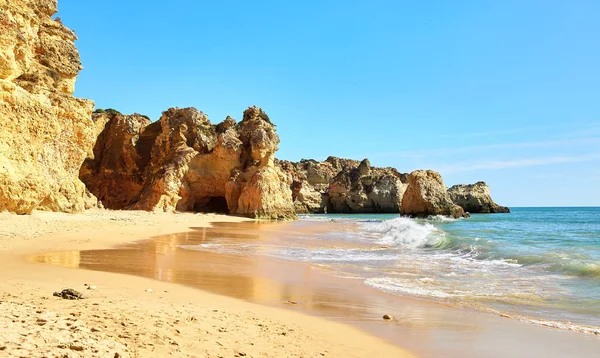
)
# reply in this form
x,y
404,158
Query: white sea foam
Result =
x,y
587,329
413,288
404,232
323,218
234,249
292,253
427,280
441,219
338,255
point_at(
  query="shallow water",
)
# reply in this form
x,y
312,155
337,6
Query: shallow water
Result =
x,y
538,263
356,268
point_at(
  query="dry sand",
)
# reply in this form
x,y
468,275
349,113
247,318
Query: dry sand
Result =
x,y
127,316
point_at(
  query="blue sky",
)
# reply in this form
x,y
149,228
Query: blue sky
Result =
x,y
502,91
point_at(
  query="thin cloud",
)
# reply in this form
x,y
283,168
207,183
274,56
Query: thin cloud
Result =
x,y
503,132
518,163
442,152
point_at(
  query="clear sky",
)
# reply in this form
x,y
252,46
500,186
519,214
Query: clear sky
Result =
x,y
502,91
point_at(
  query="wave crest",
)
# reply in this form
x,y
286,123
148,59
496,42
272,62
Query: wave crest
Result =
x,y
405,232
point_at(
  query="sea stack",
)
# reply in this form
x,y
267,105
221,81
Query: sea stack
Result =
x,y
475,198
426,195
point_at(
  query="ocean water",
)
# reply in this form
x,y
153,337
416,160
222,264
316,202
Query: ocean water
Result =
x,y
536,264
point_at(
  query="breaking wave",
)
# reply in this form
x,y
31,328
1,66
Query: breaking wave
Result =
x,y
405,232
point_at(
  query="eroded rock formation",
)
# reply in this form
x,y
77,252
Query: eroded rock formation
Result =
x,y
114,170
366,189
183,162
311,179
339,185
475,198
426,195
46,132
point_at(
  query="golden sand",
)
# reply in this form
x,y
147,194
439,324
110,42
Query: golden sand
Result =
x,y
128,316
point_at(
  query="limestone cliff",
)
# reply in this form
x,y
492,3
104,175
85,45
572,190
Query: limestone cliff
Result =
x,y
46,132
475,198
183,162
345,186
426,195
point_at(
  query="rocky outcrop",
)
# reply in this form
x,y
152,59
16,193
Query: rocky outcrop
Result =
x,y
46,132
116,148
345,186
364,189
475,198
311,179
183,162
426,195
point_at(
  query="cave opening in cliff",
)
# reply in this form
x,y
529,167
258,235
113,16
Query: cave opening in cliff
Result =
x,y
216,204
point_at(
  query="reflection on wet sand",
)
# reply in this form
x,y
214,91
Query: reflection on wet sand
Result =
x,y
252,277
426,328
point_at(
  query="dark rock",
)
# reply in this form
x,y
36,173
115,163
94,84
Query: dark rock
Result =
x,y
76,347
69,294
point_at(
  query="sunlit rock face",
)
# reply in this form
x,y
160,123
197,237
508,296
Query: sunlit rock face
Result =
x,y
426,195
113,170
46,132
183,162
339,185
475,198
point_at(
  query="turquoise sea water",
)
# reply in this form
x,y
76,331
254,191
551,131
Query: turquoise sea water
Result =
x,y
538,264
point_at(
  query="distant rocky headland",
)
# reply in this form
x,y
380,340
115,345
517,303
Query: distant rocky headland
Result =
x,y
56,155
347,186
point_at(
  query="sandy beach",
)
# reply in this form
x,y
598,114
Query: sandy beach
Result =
x,y
128,316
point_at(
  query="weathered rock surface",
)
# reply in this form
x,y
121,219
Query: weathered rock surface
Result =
x,y
116,148
345,186
183,162
311,179
46,132
426,195
364,189
475,198
69,294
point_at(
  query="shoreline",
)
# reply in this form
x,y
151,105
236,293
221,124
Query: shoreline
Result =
x,y
426,329
122,316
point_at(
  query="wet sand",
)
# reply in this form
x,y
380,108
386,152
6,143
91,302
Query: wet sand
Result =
x,y
426,328
132,316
